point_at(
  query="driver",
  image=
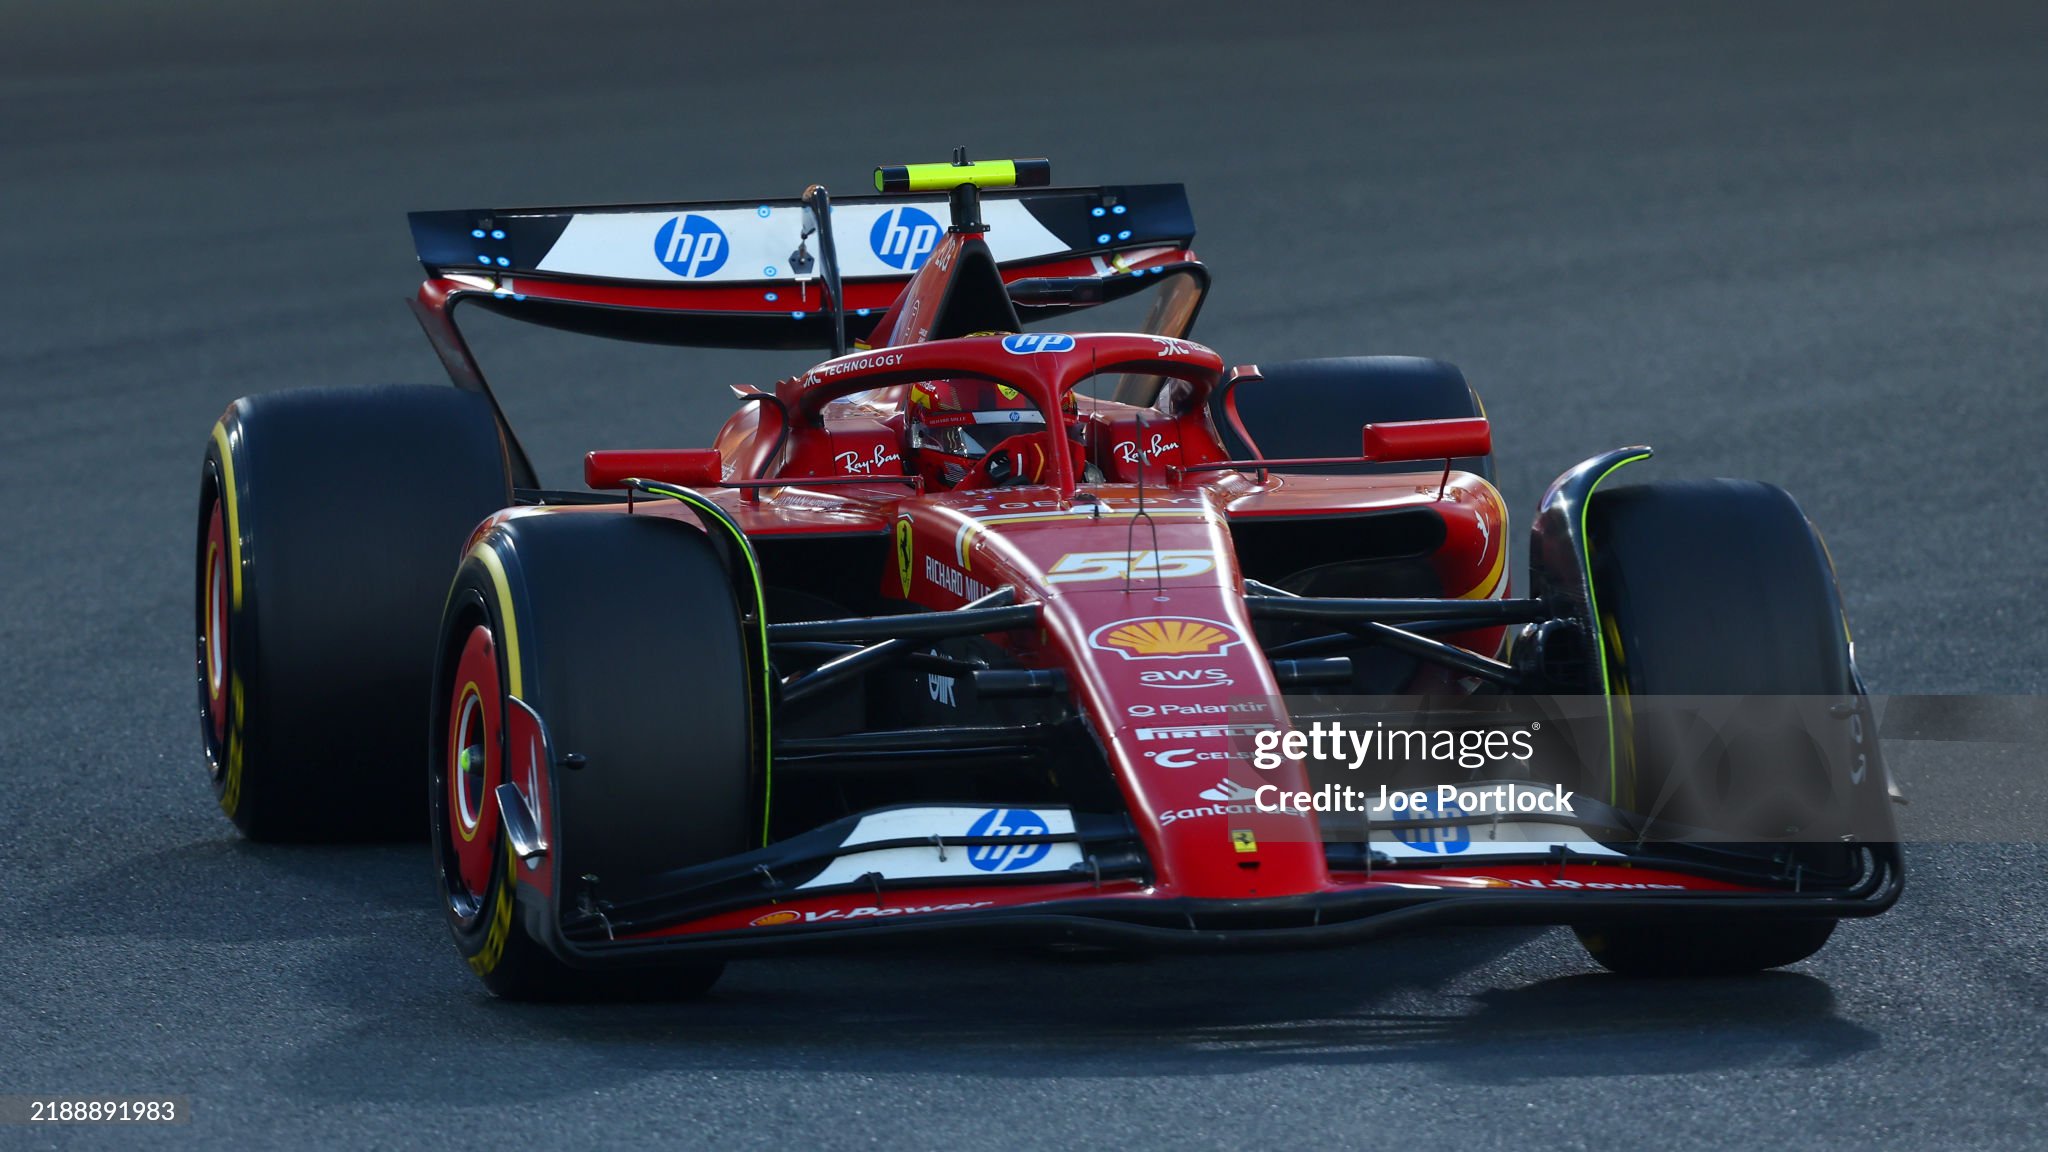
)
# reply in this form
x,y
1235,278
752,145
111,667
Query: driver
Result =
x,y
955,423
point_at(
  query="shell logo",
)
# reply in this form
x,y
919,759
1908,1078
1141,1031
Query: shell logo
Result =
x,y
775,919
1165,637
1489,882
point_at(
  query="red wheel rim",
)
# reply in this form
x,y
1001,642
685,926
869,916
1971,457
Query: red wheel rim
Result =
x,y
213,625
475,725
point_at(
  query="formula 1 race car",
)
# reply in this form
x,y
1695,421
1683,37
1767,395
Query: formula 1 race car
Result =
x,y
991,625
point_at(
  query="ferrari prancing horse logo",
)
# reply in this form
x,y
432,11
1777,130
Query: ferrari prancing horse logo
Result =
x,y
905,554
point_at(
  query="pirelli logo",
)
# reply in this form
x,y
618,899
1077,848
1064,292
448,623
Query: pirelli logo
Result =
x,y
1202,731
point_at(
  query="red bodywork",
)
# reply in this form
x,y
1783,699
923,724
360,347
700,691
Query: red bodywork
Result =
x,y
1137,610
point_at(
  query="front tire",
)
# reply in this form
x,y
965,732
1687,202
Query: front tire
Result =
x,y
649,691
1693,950
1721,588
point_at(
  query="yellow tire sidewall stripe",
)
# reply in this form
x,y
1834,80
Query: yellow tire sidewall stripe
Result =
x,y
487,556
1593,610
231,782
498,935
227,496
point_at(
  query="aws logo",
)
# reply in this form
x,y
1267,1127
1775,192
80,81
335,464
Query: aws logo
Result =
x,y
1185,678
904,237
691,246
1165,638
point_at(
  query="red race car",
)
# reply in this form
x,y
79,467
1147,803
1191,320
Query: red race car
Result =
x,y
990,625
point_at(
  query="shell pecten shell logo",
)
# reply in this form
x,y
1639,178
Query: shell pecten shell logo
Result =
x,y
1165,638
774,919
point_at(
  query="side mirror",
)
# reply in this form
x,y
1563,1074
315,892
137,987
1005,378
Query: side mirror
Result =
x,y
1047,291
1427,439
689,467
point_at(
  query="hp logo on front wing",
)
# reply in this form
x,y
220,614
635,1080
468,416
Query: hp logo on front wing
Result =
x,y
1007,857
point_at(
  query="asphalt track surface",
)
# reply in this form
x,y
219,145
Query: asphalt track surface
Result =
x,y
1807,244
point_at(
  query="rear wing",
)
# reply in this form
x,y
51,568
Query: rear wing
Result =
x,y
741,273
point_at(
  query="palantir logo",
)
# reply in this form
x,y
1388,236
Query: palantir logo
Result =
x,y
903,237
691,246
1007,857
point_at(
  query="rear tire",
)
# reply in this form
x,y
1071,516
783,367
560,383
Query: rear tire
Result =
x,y
329,520
1315,408
651,692
1719,588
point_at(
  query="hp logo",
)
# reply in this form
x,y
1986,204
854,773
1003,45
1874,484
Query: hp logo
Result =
x,y
1025,343
691,246
1449,841
903,237
1007,857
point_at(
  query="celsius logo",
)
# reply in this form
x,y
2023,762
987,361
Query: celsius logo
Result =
x,y
903,237
1007,857
1188,758
1025,343
691,246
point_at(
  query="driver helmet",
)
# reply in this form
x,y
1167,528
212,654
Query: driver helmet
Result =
x,y
955,423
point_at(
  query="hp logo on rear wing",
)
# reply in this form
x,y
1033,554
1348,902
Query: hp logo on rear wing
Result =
x,y
903,237
691,246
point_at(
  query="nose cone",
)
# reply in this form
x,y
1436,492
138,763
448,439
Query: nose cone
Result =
x,y
1147,615
1178,691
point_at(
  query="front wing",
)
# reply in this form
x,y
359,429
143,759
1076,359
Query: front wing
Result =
x,y
1046,874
